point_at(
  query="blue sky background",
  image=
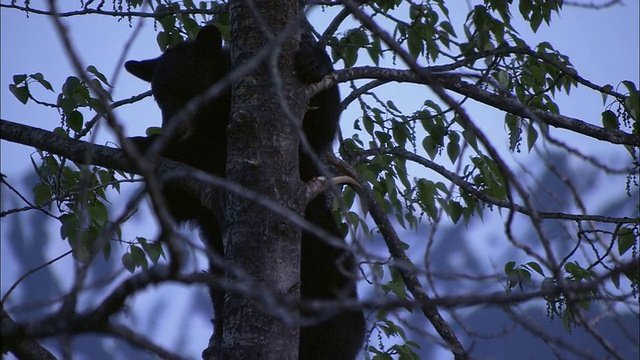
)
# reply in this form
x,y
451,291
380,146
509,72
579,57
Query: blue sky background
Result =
x,y
602,45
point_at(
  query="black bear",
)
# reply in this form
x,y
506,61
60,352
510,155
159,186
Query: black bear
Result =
x,y
185,71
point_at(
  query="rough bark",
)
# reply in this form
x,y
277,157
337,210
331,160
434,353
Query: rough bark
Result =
x,y
262,155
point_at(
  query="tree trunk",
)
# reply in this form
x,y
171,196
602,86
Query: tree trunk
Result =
x,y
262,155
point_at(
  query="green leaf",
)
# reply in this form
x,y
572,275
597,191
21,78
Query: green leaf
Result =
x,y
626,240
535,21
67,104
427,195
536,267
398,286
532,136
571,267
632,101
352,218
446,26
415,11
523,274
515,130
392,106
41,194
577,272
358,38
163,39
491,177
139,258
153,130
415,43
375,53
633,274
453,150
98,87
92,69
70,85
400,133
438,132
471,139
190,25
609,120
350,57
40,79
98,213
630,86
615,279
430,147
604,94
75,120
455,211
370,176
106,250
368,123
154,250
105,176
60,132
69,225
20,92
383,137
503,79
509,267
19,79
127,261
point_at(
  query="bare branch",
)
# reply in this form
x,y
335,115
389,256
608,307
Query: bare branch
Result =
x,y
592,5
121,14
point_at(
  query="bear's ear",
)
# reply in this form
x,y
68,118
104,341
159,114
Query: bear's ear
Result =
x,y
208,39
141,69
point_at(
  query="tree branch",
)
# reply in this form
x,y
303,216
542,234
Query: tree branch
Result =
x,y
455,83
22,346
191,179
592,5
405,266
468,187
89,11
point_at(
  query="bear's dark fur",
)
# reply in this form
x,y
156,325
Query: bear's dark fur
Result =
x,y
185,71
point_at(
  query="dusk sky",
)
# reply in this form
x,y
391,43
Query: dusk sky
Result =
x,y
602,45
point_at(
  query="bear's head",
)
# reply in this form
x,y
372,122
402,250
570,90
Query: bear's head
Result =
x,y
183,72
